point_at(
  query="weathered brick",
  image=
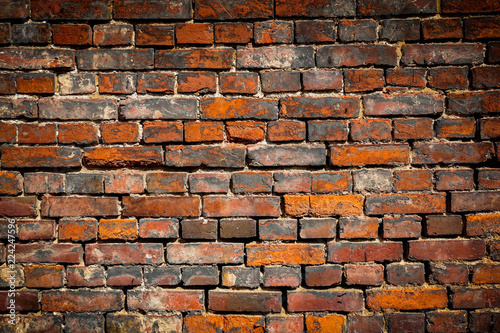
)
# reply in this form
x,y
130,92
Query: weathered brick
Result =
x,y
406,299
53,206
409,203
360,80
357,30
252,182
140,323
412,128
44,276
100,59
481,27
400,30
77,109
406,77
162,131
245,277
7,83
275,57
18,206
158,108
205,131
233,10
323,276
368,275
494,52
25,301
124,276
439,225
286,130
84,323
323,80
280,81
325,323
475,201
245,131
209,183
358,227
220,58
315,31
40,157
239,82
217,206
325,300
196,82
205,253
442,54
484,273
158,228
35,83
327,130
77,229
225,323
284,254
278,229
296,205
113,34
399,274
454,179
471,298
319,107
5,33
233,32
76,83
356,55
406,322
238,228
116,157
36,58
403,104
318,228
200,276
7,132
483,224
287,155
15,9
336,182
273,32
412,180
11,183
442,28
459,152
486,77
114,83
468,6
446,321
72,34
118,229
40,133
82,300
406,7
456,128
473,102
162,276
320,8
49,253
154,206
239,108
137,9
244,301
376,154
44,182
84,183
70,10
7,272
287,323
326,205
446,273
194,33
154,35
281,276
447,78
199,229
345,252
446,249
370,129
124,182
36,229
223,156
408,226
119,254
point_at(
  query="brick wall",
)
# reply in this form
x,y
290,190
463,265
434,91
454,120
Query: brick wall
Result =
x,y
251,165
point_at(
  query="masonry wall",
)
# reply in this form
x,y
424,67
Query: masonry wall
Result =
x,y
250,165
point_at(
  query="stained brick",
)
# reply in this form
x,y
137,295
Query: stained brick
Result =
x,y
233,10
220,58
315,31
205,253
324,300
406,299
442,54
68,10
319,107
154,35
321,8
233,32
356,55
223,156
345,252
275,57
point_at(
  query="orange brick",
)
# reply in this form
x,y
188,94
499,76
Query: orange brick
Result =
x,y
120,229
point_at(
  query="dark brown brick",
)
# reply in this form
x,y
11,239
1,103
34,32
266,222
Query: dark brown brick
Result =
x,y
72,34
442,225
322,80
82,300
100,59
357,30
460,152
224,156
442,28
77,109
199,229
454,179
409,203
323,276
220,58
447,273
30,33
137,9
252,182
280,81
238,228
395,7
273,32
315,31
154,35
482,27
442,54
400,30
452,249
356,55
233,10
403,104
233,32
242,301
321,8
70,10
54,206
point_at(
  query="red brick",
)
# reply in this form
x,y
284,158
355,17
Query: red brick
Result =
x,y
273,32
442,28
137,9
288,182
155,83
40,157
456,128
406,226
323,276
361,80
194,33
439,225
345,205
36,229
281,276
460,152
277,324
358,227
370,129
454,179
166,182
196,82
233,33
471,298
268,57
280,81
116,157
76,83
252,182
407,322
469,6
483,224
475,201
35,83
345,252
25,301
35,58
356,55
284,254
406,298
446,273
244,301
409,203
7,132
357,30
482,27
406,77
158,228
480,322
18,206
7,83
72,34
315,31
167,131
215,206
494,52
473,102
345,300
114,83
245,131
77,229
448,78
220,58
44,182
102,59
225,323
53,206
161,206
154,35
113,34
11,183
36,133
296,205
119,132
233,10
199,229
82,300
203,131
118,229
325,323
44,276
286,130
324,80
162,276
484,273
86,276
442,54
119,254
319,107
321,8
239,108
412,128
376,154
205,253
80,134
412,180
446,249
486,77
368,275
209,182
49,253
399,274
446,321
